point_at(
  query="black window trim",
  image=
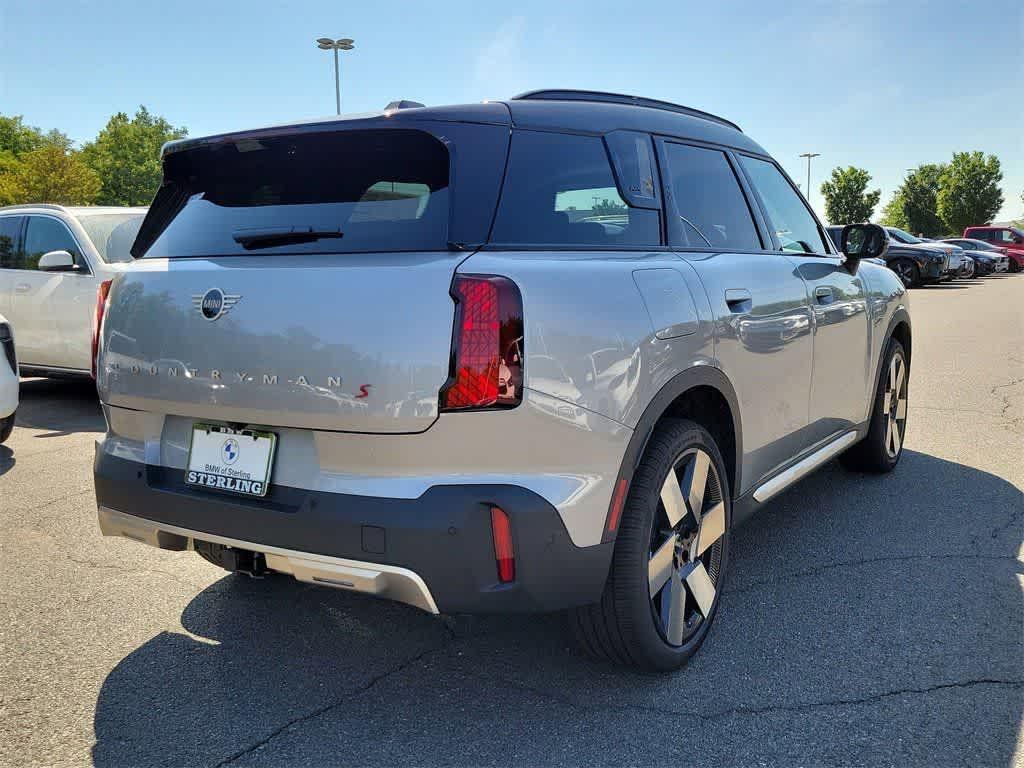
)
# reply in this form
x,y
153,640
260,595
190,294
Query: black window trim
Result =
x,y
822,234
84,270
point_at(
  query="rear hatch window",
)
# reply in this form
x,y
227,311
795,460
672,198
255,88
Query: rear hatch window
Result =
x,y
328,192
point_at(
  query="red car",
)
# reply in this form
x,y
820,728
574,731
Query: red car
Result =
x,y
1010,239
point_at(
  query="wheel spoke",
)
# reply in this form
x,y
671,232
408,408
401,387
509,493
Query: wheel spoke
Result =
x,y
712,527
673,610
659,568
672,499
901,409
898,362
699,584
886,400
695,480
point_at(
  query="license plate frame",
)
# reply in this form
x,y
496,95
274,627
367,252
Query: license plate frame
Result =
x,y
219,464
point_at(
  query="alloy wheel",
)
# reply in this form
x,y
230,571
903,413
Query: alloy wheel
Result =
x,y
894,405
686,546
906,272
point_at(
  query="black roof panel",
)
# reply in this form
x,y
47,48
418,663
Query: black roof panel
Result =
x,y
579,112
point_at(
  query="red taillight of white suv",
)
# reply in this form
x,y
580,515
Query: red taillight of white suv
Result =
x,y
487,346
102,293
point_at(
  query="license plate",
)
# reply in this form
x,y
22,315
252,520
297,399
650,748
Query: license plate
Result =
x,y
235,461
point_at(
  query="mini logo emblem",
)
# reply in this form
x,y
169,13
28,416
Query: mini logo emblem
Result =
x,y
215,303
230,451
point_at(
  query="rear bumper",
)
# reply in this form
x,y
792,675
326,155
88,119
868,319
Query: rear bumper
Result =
x,y
435,551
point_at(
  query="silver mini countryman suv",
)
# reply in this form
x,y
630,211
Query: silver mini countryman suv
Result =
x,y
524,355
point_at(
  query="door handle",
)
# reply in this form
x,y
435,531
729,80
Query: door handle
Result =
x,y
22,288
738,300
823,294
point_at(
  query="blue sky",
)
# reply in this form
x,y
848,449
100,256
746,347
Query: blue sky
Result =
x,y
884,86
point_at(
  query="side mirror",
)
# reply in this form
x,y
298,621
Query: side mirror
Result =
x,y
57,261
863,241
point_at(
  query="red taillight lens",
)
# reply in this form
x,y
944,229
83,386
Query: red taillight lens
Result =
x,y
504,554
97,321
487,348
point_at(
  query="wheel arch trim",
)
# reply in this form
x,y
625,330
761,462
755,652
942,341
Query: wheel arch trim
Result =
x,y
692,378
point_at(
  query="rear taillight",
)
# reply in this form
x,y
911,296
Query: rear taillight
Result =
x,y
487,346
504,552
97,321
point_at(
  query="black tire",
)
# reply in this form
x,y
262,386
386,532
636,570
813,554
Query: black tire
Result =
x,y
907,271
874,453
1014,266
7,426
629,626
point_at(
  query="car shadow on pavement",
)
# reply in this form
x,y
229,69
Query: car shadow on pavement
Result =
x,y
59,407
7,460
868,620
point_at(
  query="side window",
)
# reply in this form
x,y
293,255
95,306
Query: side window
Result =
x,y
559,190
794,225
10,228
1003,236
44,234
708,200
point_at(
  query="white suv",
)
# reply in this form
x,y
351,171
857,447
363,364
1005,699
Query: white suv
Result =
x,y
53,261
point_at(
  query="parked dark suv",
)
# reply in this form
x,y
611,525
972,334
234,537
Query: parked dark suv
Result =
x,y
525,355
916,266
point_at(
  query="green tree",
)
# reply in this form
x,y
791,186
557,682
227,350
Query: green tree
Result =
x,y
847,200
893,214
969,191
27,154
126,156
914,205
50,174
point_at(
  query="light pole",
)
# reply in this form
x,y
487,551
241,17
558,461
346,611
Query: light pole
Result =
x,y
809,155
341,44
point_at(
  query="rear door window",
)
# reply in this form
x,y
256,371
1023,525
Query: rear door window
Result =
x,y
794,225
44,234
10,232
560,191
348,191
708,200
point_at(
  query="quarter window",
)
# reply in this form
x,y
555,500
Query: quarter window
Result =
x,y
43,235
793,223
708,200
560,190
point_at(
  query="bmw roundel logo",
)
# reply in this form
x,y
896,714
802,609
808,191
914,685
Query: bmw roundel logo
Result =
x,y
213,304
229,451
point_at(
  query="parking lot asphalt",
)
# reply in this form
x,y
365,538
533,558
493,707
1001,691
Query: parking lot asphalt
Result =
x,y
867,620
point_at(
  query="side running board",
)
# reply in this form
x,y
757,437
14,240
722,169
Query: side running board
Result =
x,y
803,467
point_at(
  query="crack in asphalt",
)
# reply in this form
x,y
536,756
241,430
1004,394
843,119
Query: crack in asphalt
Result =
x,y
854,563
312,714
131,569
746,710
1007,404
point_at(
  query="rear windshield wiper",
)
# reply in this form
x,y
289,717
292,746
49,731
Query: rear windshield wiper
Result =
x,y
269,237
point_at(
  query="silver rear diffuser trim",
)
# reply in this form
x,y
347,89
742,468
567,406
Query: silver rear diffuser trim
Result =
x,y
387,581
802,468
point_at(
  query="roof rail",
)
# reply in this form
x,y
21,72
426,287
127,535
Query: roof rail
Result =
x,y
52,206
621,98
